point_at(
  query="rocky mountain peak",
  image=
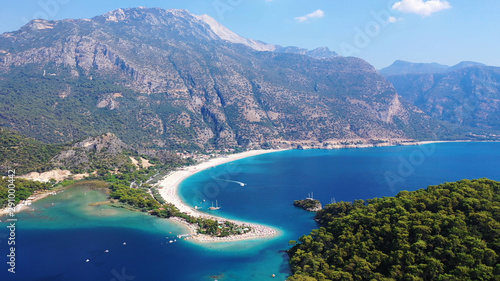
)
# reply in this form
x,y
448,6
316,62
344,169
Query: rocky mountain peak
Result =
x,y
147,15
115,16
106,148
465,64
322,53
40,24
108,141
150,21
226,34
167,78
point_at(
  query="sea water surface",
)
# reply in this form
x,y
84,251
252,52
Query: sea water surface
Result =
x,y
55,239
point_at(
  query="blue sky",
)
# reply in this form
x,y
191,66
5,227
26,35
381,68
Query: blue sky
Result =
x,y
379,31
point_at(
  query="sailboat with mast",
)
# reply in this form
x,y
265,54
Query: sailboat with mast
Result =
x,y
216,206
310,196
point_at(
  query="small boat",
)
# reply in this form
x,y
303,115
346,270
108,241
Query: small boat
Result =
x,y
310,196
273,275
170,241
124,243
107,251
216,206
87,260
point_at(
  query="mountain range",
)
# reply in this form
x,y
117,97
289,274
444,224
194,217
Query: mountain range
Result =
x,y
467,94
401,67
169,79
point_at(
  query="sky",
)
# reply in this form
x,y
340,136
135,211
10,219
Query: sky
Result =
x,y
379,31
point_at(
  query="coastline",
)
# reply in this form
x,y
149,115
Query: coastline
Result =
x,y
339,145
176,177
25,203
169,185
168,188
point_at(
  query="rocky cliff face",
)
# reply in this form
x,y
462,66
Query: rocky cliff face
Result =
x,y
467,96
101,149
166,78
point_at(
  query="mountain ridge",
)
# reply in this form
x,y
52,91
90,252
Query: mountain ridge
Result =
x,y
163,78
467,95
400,67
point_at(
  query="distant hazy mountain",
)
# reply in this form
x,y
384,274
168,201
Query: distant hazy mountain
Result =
x,y
319,53
400,67
467,94
464,64
167,78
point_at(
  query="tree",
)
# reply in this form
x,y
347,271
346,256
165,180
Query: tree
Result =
x,y
445,232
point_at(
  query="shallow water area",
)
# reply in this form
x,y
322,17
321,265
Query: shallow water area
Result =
x,y
63,231
72,208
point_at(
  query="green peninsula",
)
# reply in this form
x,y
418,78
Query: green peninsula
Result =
x,y
445,232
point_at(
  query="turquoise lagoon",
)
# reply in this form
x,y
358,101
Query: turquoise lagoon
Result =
x,y
56,237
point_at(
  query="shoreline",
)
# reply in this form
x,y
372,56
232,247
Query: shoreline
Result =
x,y
23,205
176,177
391,143
168,188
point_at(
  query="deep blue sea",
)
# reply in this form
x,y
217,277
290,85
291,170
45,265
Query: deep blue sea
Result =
x,y
55,238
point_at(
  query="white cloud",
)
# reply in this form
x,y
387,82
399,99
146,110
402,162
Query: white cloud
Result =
x,y
314,15
394,19
421,7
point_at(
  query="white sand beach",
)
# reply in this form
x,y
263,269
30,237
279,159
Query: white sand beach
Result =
x,y
168,188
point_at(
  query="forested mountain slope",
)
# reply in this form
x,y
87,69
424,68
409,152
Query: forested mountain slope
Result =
x,y
165,78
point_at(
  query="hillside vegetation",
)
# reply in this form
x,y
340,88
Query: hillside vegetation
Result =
x,y
163,78
93,155
445,232
24,154
24,189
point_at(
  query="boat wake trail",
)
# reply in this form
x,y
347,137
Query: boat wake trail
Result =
x,y
238,182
